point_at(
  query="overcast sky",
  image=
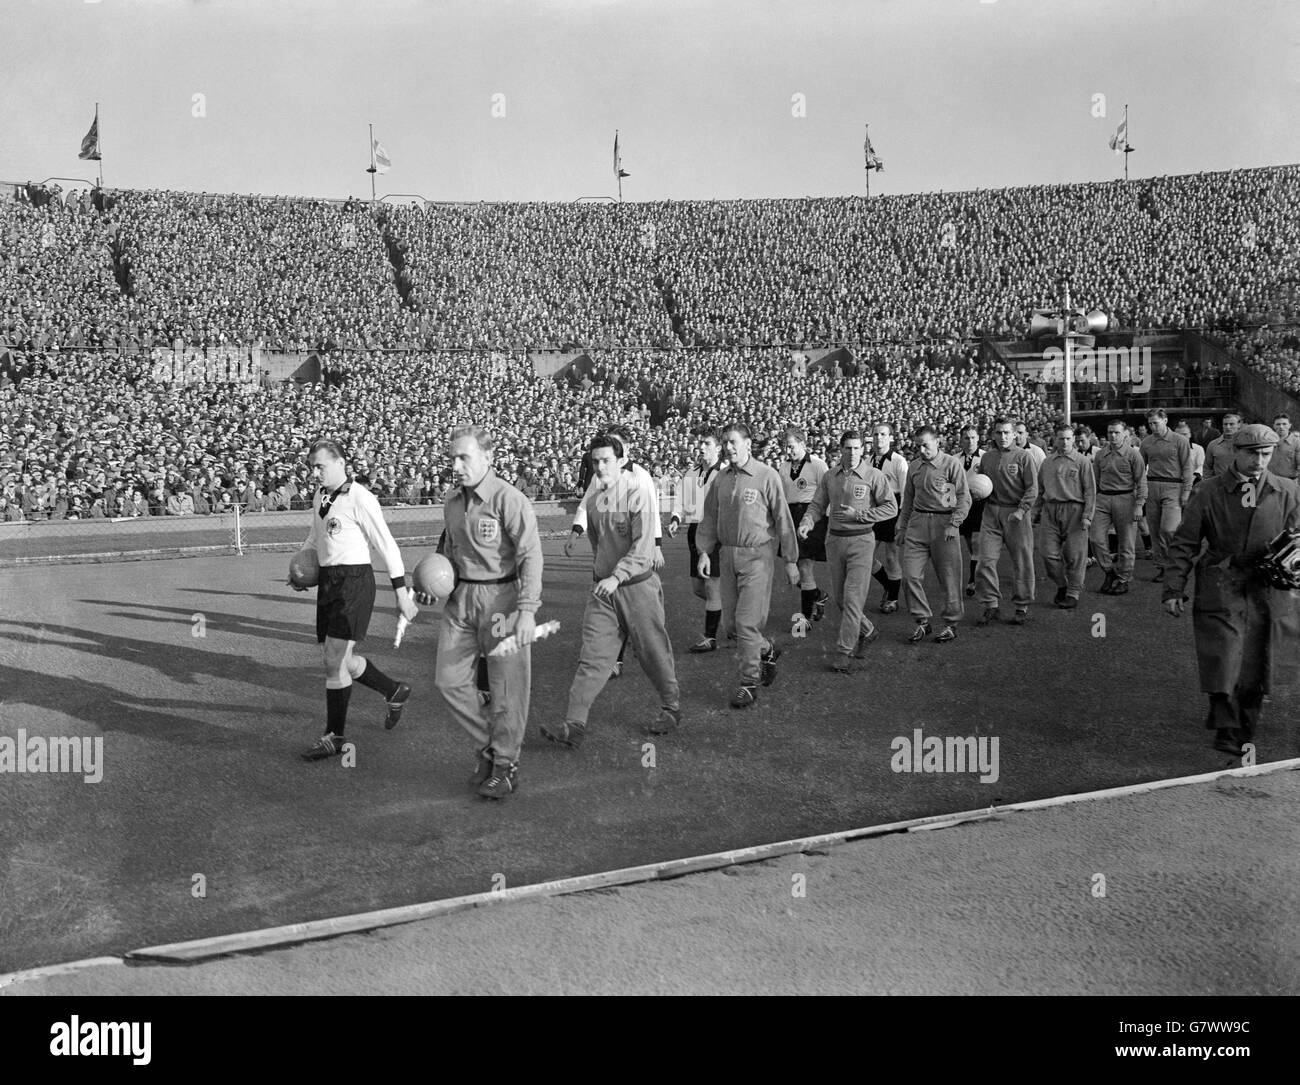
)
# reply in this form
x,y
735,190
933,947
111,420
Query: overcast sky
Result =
x,y
959,93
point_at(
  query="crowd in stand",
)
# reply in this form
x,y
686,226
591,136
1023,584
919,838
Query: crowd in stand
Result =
x,y
211,270
96,436
88,432
1273,352
509,275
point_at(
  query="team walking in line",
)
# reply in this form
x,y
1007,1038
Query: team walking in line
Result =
x,y
869,516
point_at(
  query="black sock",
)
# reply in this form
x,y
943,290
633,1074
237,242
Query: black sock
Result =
x,y
880,578
971,578
621,649
711,620
807,596
374,678
481,675
1146,541
336,710
893,588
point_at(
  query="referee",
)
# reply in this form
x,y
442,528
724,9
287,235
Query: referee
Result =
x,y
346,524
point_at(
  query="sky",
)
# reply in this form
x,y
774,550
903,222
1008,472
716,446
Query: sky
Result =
x,y
713,99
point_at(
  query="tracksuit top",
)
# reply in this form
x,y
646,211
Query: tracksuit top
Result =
x,y
1014,474
864,488
1122,470
746,507
621,535
492,533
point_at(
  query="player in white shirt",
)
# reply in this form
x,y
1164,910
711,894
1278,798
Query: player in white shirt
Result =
x,y
346,524
970,455
688,507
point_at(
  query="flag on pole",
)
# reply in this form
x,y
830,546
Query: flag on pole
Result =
x,y
90,143
873,159
382,162
619,171
1119,141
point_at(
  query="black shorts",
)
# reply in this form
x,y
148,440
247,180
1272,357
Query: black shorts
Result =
x,y
344,601
886,530
812,548
715,555
974,518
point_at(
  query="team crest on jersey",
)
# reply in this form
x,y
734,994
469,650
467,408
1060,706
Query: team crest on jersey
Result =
x,y
333,526
749,496
859,491
803,483
488,530
946,497
1012,470
622,526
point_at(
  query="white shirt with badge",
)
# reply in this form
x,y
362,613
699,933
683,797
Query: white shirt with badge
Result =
x,y
353,526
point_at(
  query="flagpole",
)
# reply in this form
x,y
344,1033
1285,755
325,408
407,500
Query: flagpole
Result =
x,y
866,165
1127,149
99,138
372,170
618,172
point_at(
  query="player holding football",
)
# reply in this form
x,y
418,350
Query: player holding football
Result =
x,y
493,544
346,524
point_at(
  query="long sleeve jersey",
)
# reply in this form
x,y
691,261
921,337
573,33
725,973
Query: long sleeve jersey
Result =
x,y
492,533
347,525
864,489
746,506
619,527
937,485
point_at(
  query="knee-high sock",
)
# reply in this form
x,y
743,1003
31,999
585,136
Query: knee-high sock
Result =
x,y
336,709
372,677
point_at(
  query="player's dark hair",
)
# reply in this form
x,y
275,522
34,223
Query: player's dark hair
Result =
x,y
849,435
1157,412
326,444
1064,427
922,431
1117,422
970,429
1282,415
737,427
620,431
607,440
709,435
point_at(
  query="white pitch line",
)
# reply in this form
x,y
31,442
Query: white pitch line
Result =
x,y
276,937
48,970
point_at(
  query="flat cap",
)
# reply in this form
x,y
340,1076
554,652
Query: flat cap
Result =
x,y
1255,435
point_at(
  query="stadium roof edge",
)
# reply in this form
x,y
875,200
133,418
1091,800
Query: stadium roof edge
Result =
x,y
342,201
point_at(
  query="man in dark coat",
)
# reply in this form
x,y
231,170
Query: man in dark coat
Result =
x,y
1247,632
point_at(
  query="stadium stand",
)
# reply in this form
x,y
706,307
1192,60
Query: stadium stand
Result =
x,y
687,314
